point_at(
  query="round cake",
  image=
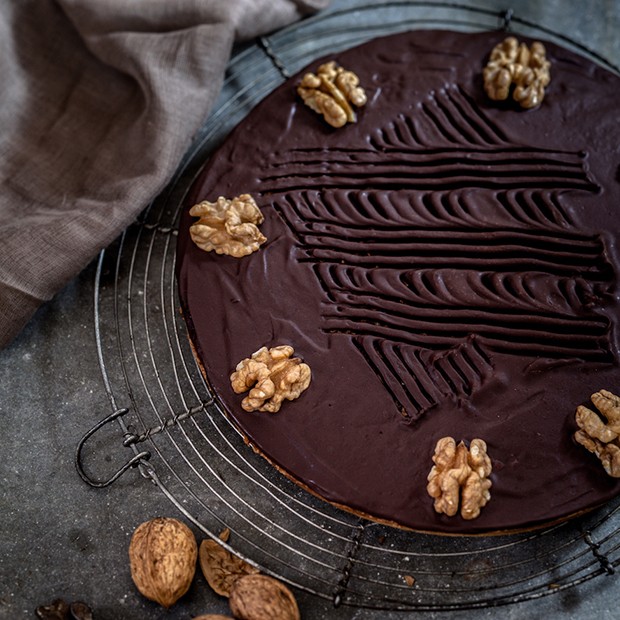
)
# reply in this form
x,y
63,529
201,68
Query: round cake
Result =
x,y
447,266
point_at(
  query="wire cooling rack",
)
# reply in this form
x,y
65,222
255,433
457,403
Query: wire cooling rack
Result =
x,y
164,415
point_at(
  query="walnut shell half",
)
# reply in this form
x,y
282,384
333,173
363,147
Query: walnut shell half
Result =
x,y
220,567
259,597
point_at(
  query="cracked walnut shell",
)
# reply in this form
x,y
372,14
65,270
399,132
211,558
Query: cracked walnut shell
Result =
x,y
273,376
332,92
600,437
513,64
228,226
220,567
460,477
260,597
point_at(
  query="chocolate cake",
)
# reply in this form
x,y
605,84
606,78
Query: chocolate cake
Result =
x,y
447,266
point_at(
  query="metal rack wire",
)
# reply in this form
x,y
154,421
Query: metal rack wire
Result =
x,y
179,439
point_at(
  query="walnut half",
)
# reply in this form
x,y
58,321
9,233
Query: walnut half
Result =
x,y
273,376
460,476
597,436
513,64
228,226
332,92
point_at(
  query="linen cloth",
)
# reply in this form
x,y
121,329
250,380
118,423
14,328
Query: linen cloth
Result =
x,y
99,101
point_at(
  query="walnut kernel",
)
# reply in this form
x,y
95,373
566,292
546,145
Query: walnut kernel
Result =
x,y
228,226
275,375
331,92
599,437
460,476
514,64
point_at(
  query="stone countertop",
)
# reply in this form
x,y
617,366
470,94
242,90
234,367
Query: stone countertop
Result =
x,y
60,538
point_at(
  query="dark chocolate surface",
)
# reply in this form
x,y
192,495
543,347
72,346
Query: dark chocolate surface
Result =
x,y
446,266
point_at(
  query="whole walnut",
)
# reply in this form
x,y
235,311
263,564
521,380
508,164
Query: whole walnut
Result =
x,y
162,556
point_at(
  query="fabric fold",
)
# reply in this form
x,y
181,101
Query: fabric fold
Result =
x,y
100,102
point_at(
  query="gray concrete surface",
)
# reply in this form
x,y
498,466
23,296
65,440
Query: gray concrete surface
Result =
x,y
60,538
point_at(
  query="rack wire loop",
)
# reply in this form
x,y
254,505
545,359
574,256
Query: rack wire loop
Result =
x,y
603,560
346,569
264,44
130,438
507,16
136,460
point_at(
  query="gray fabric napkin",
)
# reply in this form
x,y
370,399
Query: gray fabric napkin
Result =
x,y
100,100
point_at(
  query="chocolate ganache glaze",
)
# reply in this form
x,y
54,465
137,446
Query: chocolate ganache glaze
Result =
x,y
447,266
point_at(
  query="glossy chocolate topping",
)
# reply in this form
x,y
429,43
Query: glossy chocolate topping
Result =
x,y
448,265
